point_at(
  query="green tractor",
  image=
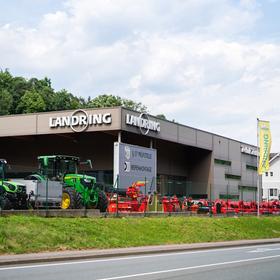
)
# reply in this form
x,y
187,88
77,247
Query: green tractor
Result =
x,y
12,194
79,190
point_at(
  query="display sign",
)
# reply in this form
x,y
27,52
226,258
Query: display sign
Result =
x,y
143,123
80,120
249,150
134,163
265,145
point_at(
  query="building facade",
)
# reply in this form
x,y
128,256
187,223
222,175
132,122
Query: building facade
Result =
x,y
190,162
271,179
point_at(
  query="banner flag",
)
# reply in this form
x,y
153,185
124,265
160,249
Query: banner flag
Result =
x,y
265,145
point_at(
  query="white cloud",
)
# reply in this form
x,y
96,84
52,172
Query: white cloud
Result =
x,y
192,60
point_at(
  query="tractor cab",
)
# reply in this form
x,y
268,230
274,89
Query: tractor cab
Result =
x,y
57,166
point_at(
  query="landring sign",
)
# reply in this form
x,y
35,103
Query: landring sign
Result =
x,y
144,116
85,120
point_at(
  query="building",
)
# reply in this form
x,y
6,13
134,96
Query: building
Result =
x,y
271,179
189,161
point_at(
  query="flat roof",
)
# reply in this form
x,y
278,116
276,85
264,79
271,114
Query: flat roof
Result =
x,y
40,124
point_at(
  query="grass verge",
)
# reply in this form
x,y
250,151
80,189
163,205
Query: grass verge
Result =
x,y
22,234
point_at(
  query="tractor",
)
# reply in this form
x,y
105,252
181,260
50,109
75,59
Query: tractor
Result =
x,y
79,190
12,194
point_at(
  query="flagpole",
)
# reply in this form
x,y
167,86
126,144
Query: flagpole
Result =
x,y
258,177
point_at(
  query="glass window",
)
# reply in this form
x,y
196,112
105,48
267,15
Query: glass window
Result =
x,y
49,170
251,167
232,176
270,192
275,192
67,166
271,173
266,174
223,162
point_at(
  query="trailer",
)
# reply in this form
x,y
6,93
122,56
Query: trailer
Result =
x,y
42,193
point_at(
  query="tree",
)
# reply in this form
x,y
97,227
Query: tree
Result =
x,y
44,88
105,101
20,95
6,102
161,116
113,101
31,102
48,96
63,100
136,106
5,79
18,87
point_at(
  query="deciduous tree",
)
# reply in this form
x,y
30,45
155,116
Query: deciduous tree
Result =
x,y
6,102
31,102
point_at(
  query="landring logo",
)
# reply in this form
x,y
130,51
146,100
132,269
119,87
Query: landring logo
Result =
x,y
144,120
81,121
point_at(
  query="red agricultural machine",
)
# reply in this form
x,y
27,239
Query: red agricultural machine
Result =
x,y
202,206
134,201
270,207
171,204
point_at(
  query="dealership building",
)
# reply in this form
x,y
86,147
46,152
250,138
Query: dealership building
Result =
x,y
171,157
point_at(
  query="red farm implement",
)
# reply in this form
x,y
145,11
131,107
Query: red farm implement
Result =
x,y
171,204
133,201
270,207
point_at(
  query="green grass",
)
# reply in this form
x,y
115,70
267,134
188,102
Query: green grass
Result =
x,y
22,234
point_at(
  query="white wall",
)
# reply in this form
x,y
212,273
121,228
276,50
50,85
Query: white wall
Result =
x,y
270,181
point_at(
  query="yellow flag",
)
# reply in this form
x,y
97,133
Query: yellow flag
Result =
x,y
265,145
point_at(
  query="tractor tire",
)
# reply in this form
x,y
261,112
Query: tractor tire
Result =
x,y
102,201
71,199
5,203
24,205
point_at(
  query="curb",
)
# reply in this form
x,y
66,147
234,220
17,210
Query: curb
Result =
x,y
107,253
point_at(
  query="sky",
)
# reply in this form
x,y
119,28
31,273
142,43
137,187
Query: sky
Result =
x,y
208,64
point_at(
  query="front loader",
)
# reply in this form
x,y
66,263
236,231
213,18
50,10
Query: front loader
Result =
x,y
12,194
78,190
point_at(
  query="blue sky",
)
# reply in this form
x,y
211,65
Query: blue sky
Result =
x,y
213,65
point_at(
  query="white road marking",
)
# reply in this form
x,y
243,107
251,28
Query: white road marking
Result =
x,y
187,268
129,257
262,250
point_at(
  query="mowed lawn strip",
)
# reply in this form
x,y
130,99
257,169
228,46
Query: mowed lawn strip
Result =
x,y
22,234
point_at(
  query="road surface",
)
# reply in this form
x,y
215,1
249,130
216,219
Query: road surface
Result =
x,y
251,262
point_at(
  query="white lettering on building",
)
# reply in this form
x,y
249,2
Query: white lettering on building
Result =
x,y
143,122
80,120
249,150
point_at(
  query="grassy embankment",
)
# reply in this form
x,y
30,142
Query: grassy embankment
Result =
x,y
19,234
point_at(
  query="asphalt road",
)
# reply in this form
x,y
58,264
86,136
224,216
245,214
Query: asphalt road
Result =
x,y
252,262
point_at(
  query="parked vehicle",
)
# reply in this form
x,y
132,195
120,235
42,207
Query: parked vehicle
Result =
x,y
78,190
12,194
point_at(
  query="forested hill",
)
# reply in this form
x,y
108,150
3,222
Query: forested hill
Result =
x,y
19,95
